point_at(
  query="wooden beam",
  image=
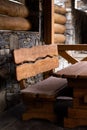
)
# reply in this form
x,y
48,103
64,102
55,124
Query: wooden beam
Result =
x,y
76,47
69,58
12,8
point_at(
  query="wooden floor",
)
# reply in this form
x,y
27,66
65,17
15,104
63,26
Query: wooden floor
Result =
x,y
10,120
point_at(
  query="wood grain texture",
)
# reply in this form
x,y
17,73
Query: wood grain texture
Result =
x,y
68,57
47,88
58,28
31,54
48,11
60,19
28,70
59,9
41,115
73,71
79,92
59,38
14,23
77,113
13,9
72,122
77,47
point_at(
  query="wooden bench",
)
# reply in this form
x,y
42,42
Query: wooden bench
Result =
x,y
40,97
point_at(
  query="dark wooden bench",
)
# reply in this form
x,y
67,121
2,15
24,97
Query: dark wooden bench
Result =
x,y
40,97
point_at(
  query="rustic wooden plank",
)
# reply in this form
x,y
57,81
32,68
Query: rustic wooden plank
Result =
x,y
77,47
77,82
84,59
49,116
73,71
68,57
79,104
28,70
41,106
77,113
74,122
31,54
48,88
79,92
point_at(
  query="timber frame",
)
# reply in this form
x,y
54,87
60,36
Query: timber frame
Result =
x,y
62,50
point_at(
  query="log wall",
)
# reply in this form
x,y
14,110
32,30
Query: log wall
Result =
x,y
59,24
54,23
18,16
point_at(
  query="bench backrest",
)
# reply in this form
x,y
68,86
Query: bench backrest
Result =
x,y
35,60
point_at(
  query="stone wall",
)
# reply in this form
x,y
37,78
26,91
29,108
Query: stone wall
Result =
x,y
10,40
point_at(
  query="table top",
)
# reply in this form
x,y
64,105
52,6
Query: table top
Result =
x,y
77,70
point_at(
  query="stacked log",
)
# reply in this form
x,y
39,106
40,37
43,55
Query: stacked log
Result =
x,y
59,24
14,23
13,16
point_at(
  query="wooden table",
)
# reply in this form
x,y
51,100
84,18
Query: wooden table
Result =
x,y
76,75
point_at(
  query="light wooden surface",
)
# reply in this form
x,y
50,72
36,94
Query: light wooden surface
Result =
x,y
35,60
78,70
29,63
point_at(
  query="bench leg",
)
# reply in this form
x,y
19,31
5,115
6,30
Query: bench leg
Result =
x,y
42,110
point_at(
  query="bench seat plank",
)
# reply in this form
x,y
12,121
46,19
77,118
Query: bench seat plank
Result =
x,y
47,88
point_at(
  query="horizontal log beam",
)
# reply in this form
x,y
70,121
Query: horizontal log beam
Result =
x,y
60,10
60,19
13,9
14,23
59,38
76,47
58,28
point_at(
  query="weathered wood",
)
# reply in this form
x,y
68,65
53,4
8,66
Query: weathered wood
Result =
x,y
58,28
37,60
79,92
48,116
23,54
68,57
14,23
59,38
60,19
77,83
77,113
47,89
77,47
48,11
12,8
59,9
72,122
28,70
76,70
